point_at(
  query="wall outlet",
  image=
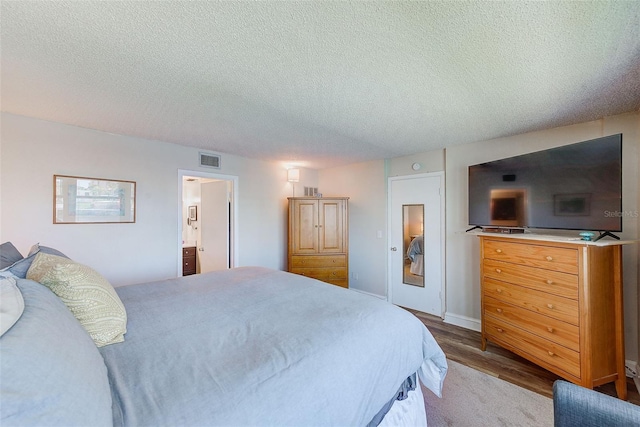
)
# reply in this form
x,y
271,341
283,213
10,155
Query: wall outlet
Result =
x,y
354,276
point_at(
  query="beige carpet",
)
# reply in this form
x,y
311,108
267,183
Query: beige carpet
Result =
x,y
473,398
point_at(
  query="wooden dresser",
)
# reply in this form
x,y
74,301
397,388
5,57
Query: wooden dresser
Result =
x,y
319,238
188,260
557,304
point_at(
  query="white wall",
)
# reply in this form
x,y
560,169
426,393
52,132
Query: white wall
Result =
x,y
430,161
191,196
462,253
32,151
364,184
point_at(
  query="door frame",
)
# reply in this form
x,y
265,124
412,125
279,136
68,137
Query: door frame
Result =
x,y
439,175
234,251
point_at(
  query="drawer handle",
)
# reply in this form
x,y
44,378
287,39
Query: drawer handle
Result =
x,y
333,273
499,251
550,329
333,261
498,271
551,353
549,258
498,290
499,330
499,310
550,306
549,282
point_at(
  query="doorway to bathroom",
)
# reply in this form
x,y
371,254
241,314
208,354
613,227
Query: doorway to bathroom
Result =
x,y
207,219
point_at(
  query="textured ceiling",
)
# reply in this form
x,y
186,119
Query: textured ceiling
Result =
x,y
319,84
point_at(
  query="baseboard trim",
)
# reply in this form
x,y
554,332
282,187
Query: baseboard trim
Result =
x,y
382,297
463,321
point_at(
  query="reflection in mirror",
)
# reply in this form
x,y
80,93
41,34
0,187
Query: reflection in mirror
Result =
x,y
508,207
91,200
413,238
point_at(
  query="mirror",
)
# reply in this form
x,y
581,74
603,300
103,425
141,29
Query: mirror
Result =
x,y
80,200
413,241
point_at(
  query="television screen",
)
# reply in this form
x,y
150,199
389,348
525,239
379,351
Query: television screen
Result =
x,y
573,187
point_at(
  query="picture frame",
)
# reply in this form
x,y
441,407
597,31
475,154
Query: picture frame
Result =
x,y
86,200
192,213
572,204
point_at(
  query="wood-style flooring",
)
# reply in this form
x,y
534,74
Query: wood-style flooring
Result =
x,y
463,346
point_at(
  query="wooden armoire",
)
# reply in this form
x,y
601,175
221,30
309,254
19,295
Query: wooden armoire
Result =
x,y
319,238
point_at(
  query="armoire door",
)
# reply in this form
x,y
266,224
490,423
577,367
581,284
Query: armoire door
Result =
x,y
305,226
330,226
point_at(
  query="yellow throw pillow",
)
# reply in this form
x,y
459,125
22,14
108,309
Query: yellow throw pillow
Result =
x,y
88,295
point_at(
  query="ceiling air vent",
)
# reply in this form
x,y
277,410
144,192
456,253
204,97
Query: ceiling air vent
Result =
x,y
210,160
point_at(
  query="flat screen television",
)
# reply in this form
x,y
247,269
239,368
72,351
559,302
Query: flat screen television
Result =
x,y
573,187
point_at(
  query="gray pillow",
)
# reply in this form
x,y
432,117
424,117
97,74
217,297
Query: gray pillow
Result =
x,y
11,303
52,372
21,267
9,255
47,250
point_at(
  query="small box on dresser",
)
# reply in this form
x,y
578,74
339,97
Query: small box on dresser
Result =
x,y
557,303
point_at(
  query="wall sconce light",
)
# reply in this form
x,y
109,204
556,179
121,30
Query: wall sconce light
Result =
x,y
293,175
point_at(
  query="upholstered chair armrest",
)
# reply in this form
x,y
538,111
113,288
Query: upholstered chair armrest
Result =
x,y
579,406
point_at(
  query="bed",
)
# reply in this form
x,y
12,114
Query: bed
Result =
x,y
247,346
415,255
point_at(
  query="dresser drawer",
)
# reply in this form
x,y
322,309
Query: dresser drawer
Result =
x,y
562,284
188,252
343,283
560,308
188,265
554,330
312,261
324,274
564,260
552,354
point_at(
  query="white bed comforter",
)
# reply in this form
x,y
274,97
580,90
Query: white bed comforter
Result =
x,y
254,346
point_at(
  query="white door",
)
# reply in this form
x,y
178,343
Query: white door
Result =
x,y
213,249
416,205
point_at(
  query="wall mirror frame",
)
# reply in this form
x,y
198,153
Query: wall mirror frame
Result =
x,y
413,244
85,200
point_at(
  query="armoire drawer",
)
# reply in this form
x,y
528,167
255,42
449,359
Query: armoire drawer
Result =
x,y
562,333
553,282
564,260
323,274
313,261
560,308
555,355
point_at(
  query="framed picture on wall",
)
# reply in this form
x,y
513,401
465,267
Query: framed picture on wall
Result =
x,y
193,213
576,204
83,200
